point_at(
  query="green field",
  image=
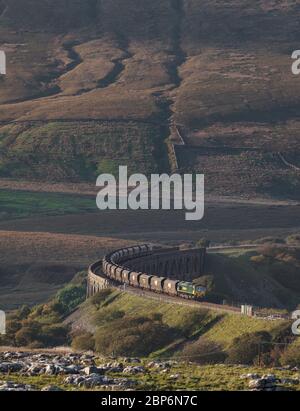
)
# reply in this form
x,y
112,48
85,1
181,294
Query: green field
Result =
x,y
19,204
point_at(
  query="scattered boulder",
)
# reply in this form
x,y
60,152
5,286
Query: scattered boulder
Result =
x,y
160,364
132,360
134,370
51,388
90,381
250,376
54,369
6,367
92,369
174,376
290,381
11,386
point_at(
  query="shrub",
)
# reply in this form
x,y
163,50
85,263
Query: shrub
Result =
x,y
84,342
108,315
108,166
100,297
204,351
245,349
291,356
259,259
29,332
54,335
23,312
54,307
132,336
270,240
80,279
203,242
12,327
270,251
70,297
293,239
193,322
36,345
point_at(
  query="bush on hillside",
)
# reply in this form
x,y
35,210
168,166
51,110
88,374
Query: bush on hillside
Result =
x,y
100,297
192,322
204,351
84,342
13,325
203,242
108,166
70,297
246,348
41,326
132,336
29,332
23,312
54,335
80,279
259,259
293,239
291,356
269,240
107,315
289,255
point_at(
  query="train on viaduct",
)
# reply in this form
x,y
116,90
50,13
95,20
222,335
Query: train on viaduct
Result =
x,y
162,270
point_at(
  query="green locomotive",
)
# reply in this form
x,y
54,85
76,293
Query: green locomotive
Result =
x,y
189,290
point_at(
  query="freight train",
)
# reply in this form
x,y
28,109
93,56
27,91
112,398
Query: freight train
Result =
x,y
113,269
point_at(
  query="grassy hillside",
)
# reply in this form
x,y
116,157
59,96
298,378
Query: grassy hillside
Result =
x,y
79,151
208,347
223,72
121,324
184,331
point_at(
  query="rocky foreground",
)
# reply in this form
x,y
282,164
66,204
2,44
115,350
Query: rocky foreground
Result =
x,y
78,370
52,371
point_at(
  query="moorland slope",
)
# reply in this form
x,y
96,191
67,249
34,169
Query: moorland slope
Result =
x,y
95,83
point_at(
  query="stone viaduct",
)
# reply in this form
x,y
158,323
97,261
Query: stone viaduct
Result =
x,y
173,263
